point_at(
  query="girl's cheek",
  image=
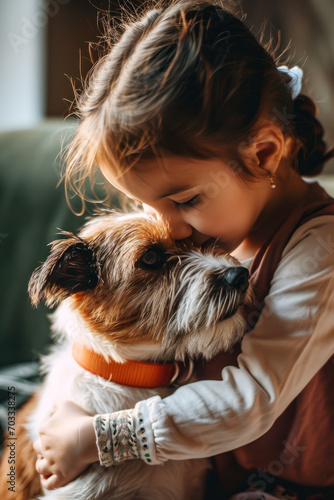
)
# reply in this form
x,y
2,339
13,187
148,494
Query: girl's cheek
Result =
x,y
206,221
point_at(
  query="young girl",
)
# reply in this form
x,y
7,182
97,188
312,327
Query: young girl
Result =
x,y
189,115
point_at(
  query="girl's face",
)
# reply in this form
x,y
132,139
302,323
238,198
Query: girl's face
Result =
x,y
200,199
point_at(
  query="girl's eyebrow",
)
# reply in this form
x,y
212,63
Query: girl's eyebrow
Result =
x,y
175,191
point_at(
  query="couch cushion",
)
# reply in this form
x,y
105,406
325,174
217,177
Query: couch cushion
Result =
x,y
31,209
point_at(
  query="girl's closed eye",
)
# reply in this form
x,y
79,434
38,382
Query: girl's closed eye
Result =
x,y
188,204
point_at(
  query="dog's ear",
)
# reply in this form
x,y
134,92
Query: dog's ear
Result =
x,y
71,267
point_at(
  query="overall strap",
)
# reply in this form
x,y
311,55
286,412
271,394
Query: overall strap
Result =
x,y
266,260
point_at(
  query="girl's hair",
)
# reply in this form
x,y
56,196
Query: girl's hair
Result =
x,y
187,78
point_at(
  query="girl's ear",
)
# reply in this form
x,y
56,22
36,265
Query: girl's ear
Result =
x,y
71,267
265,148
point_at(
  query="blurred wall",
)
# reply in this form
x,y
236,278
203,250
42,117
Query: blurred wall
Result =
x,y
67,49
22,62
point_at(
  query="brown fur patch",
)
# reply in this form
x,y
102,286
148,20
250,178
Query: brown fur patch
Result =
x,y
27,480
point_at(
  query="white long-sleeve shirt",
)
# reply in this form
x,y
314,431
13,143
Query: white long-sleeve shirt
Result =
x,y
292,340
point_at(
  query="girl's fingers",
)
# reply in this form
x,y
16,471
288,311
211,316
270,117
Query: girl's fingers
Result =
x,y
54,408
37,445
43,466
50,483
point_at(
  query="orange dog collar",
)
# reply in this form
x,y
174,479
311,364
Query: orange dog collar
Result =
x,y
133,373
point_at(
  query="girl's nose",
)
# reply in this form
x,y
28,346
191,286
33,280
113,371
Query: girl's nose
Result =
x,y
179,228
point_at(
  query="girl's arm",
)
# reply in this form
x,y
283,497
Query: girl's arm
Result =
x,y
290,343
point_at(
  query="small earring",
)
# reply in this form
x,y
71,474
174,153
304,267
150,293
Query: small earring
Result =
x,y
272,182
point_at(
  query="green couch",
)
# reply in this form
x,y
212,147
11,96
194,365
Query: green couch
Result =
x,y
32,210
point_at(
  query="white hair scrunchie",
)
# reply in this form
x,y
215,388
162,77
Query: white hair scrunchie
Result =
x,y
296,74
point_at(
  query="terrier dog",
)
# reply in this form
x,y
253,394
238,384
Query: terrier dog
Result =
x,y
128,292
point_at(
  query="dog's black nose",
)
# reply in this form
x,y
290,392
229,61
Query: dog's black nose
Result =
x,y
237,277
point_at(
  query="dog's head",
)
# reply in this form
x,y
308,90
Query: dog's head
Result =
x,y
129,282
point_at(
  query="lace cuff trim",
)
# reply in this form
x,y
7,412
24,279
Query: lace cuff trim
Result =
x,y
125,435
115,437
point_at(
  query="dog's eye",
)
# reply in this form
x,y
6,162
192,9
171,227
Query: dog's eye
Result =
x,y
152,258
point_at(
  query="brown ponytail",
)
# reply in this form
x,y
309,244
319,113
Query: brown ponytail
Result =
x,y
186,78
312,153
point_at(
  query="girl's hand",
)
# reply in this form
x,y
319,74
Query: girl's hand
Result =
x,y
66,445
